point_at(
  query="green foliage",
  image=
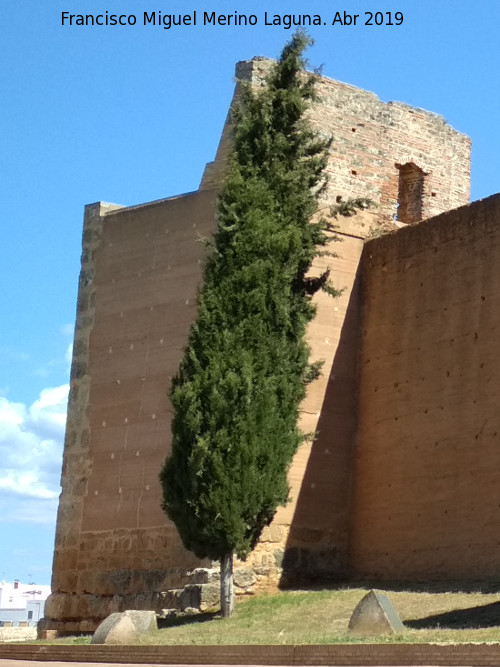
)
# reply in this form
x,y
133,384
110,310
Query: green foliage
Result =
x,y
238,389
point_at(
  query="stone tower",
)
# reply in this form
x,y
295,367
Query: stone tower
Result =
x,y
141,266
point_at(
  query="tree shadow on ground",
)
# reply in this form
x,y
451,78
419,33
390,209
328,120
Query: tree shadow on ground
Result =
x,y
186,619
450,586
399,586
484,616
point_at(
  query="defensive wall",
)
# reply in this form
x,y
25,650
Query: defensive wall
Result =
x,y
426,501
410,162
141,267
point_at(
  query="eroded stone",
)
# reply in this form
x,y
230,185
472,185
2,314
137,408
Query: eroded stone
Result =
x,y
126,627
375,615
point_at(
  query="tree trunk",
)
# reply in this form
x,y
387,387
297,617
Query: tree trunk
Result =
x,y
226,585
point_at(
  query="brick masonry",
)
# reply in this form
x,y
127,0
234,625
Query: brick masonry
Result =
x,y
372,143
376,655
141,267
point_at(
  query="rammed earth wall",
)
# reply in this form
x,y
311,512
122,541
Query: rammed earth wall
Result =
x,y
426,502
140,270
141,267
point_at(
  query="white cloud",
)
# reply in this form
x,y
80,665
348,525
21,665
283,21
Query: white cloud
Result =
x,y
68,357
14,355
68,329
31,443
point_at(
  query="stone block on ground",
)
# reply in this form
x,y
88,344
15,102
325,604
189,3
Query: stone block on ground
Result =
x,y
375,615
209,597
200,596
172,599
128,627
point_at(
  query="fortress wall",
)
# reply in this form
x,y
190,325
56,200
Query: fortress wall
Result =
x,y
427,500
316,519
141,267
308,537
370,138
147,273
115,549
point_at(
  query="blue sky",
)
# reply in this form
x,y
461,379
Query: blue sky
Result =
x,y
132,114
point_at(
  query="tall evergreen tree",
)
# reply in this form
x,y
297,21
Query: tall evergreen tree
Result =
x,y
237,392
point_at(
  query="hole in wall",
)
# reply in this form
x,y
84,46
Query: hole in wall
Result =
x,y
410,193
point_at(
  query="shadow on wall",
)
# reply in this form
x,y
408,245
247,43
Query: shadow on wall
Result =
x,y
317,544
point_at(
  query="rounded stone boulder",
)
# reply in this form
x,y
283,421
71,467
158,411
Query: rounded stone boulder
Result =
x,y
127,627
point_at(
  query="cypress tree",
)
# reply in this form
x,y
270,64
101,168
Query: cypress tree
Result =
x,y
237,392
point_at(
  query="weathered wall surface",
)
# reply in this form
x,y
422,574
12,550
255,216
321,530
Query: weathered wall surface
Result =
x,y
308,538
141,267
140,270
371,139
316,520
372,142
427,500
115,549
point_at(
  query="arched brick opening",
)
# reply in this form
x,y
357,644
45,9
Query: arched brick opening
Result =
x,y
410,193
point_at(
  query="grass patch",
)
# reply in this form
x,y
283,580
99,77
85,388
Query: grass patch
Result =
x,y
321,617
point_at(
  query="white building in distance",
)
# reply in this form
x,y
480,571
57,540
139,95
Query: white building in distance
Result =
x,y
21,603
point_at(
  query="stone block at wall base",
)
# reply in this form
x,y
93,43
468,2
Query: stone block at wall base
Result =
x,y
49,628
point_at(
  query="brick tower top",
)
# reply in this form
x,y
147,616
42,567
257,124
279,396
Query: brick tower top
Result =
x,y
408,161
